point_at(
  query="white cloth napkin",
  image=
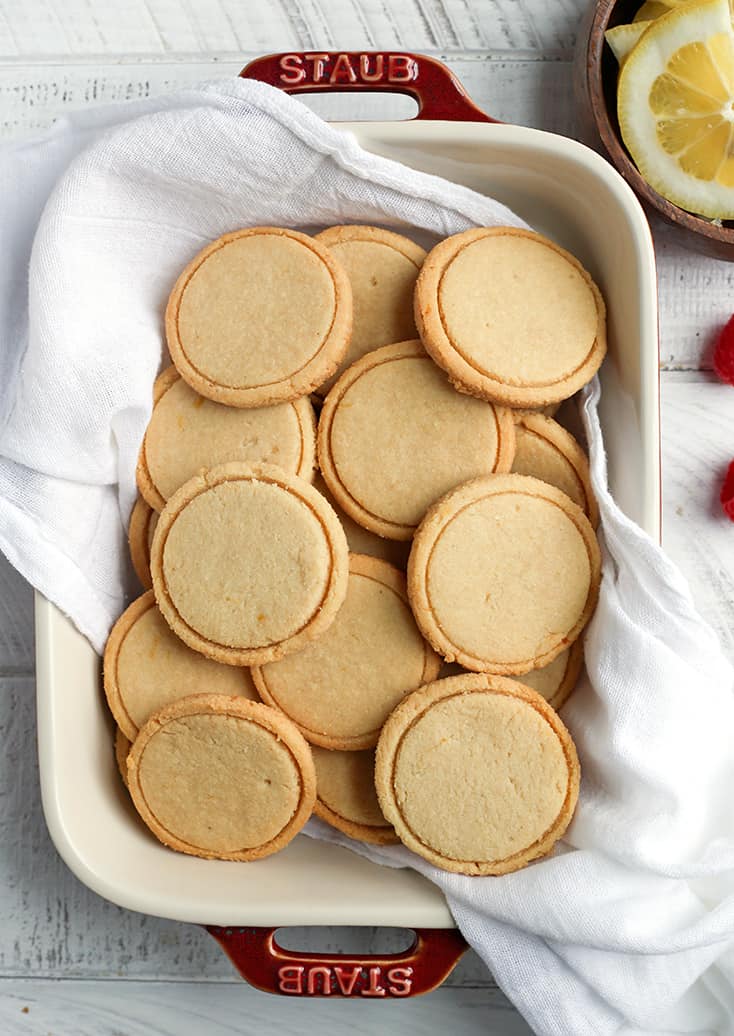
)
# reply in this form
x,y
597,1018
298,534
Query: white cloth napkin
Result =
x,y
628,928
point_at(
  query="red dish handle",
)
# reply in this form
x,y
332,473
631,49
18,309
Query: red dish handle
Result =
x,y
268,966
438,92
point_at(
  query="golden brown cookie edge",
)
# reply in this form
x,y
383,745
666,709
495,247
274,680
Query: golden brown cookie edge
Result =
x,y
369,833
122,750
137,539
343,232
111,656
547,428
571,676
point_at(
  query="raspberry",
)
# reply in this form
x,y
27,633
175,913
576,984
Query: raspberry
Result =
x,y
724,354
727,492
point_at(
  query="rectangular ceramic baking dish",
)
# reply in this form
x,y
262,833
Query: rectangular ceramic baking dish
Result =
x,y
564,190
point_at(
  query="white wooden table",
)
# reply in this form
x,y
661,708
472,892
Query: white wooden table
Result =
x,y
71,963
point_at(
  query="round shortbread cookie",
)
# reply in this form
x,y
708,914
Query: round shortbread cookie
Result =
x,y
361,540
394,436
503,574
147,667
223,778
346,796
248,564
555,681
122,750
382,268
188,434
477,774
340,689
143,521
545,450
510,316
260,316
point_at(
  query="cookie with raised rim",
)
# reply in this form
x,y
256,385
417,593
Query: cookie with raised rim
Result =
x,y
260,316
510,316
122,750
477,774
361,540
146,667
545,450
504,574
248,564
188,433
223,778
346,796
394,436
382,267
557,680
341,688
140,531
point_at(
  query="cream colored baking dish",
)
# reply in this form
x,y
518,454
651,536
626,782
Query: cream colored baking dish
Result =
x,y
565,191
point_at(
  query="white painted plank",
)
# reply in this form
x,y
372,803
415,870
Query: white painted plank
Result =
x,y
75,1008
698,445
696,300
16,622
49,28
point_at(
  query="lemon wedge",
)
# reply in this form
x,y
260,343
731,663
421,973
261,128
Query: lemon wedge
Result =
x,y
676,107
622,38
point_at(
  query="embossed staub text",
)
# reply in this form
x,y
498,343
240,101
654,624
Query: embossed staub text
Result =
x,y
344,980
333,69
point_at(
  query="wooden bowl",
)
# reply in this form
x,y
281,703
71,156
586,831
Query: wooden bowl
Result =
x,y
595,82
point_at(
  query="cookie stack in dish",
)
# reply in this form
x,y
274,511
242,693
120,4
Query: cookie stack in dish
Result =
x,y
281,662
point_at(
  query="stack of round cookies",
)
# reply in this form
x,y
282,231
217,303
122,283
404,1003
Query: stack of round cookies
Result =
x,y
285,657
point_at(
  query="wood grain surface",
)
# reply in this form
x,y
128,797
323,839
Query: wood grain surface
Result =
x,y
102,1008
76,28
124,973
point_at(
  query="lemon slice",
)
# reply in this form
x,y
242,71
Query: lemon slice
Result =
x,y
622,38
653,9
676,107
